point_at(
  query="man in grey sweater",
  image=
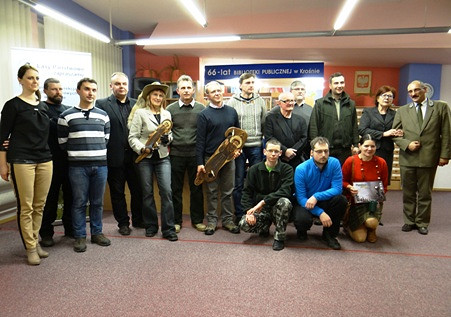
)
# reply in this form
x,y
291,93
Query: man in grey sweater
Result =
x,y
251,109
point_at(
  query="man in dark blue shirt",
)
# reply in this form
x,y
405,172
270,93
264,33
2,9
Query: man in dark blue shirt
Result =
x,y
212,123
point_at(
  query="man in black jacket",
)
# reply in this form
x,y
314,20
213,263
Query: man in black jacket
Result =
x,y
266,196
121,167
335,118
288,128
60,178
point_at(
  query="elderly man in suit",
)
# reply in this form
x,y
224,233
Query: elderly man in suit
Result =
x,y
425,144
120,156
288,128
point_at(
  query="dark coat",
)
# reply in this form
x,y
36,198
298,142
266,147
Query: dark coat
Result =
x,y
295,138
372,123
324,121
118,142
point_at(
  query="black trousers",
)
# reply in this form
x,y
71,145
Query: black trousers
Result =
x,y
180,165
60,179
117,177
341,153
334,207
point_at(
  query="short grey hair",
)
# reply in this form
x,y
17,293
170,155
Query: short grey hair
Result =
x,y
185,78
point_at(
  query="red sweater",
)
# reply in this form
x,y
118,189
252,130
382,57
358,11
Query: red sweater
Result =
x,y
364,171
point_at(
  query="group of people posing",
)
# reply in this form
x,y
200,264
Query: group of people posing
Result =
x,y
299,163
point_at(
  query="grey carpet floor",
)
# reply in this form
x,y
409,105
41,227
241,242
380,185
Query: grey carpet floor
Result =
x,y
402,274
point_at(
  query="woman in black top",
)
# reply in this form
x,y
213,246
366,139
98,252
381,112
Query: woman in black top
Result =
x,y
25,123
378,121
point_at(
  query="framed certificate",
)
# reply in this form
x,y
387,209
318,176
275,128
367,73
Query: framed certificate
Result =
x,y
369,191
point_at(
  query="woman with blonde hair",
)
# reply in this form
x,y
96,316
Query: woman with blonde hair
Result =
x,y
25,123
147,114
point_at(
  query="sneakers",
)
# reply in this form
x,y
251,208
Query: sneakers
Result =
x,y
330,241
210,229
125,230
80,245
200,227
177,228
100,239
278,245
231,227
47,242
33,257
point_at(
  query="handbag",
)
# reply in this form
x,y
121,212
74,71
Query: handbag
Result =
x,y
348,207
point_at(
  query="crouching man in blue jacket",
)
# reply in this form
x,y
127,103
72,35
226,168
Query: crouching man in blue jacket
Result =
x,y
318,187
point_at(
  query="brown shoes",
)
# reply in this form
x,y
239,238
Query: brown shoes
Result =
x,y
371,235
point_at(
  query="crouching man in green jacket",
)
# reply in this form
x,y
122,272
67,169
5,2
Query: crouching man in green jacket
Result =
x,y
266,196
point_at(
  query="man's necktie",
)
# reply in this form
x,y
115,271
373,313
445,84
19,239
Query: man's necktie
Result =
x,y
420,115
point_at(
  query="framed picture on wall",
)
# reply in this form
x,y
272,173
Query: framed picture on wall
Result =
x,y
362,82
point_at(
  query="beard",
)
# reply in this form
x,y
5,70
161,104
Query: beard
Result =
x,y
56,100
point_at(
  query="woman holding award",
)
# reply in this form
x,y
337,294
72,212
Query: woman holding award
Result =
x,y
365,180
146,117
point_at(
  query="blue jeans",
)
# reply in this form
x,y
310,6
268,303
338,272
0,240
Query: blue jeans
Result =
x,y
162,170
88,184
254,155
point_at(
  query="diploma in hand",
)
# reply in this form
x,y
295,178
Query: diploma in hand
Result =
x,y
369,191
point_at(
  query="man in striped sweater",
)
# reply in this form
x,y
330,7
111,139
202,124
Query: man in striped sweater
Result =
x,y
83,131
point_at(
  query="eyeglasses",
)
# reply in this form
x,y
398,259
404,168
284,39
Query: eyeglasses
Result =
x,y
287,101
321,151
387,96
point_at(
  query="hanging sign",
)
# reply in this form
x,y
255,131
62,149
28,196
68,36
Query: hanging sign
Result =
x,y
261,71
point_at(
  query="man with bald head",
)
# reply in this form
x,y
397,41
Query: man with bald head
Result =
x,y
424,146
121,166
288,128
